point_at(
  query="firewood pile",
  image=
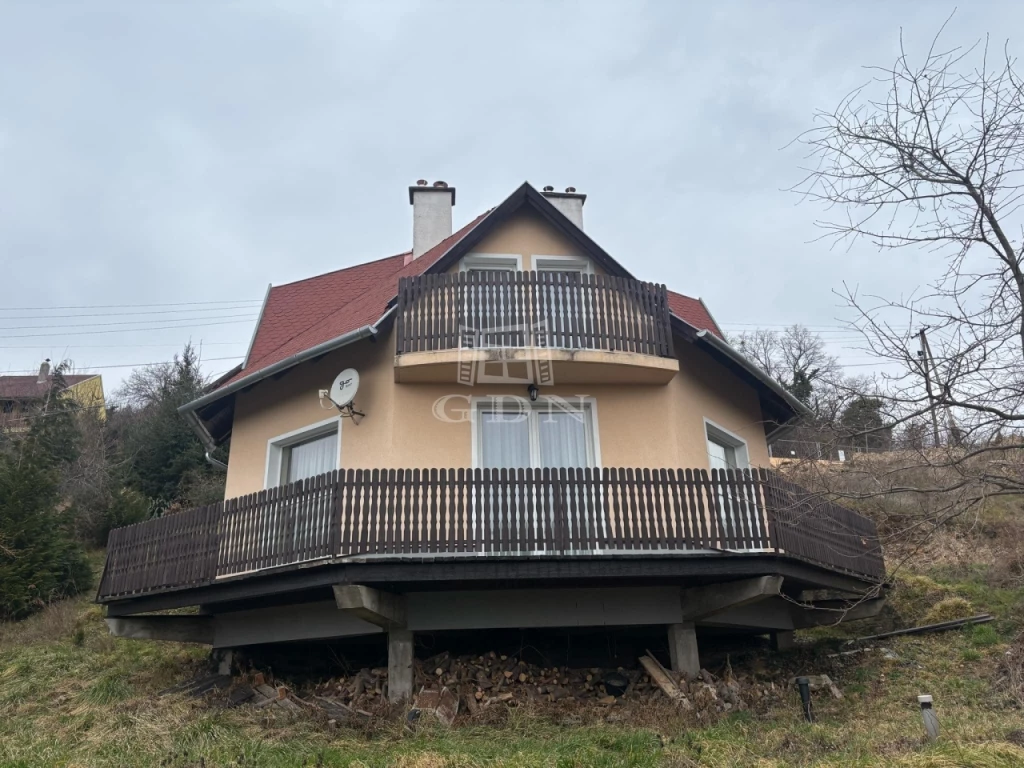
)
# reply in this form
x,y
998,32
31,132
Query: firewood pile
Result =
x,y
479,682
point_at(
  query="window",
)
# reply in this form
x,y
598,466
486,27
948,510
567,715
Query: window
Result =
x,y
728,451
725,450
304,453
564,308
550,433
561,264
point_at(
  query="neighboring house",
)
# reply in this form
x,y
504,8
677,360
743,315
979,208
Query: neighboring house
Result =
x,y
22,397
538,438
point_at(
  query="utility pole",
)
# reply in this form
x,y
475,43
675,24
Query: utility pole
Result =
x,y
925,354
950,422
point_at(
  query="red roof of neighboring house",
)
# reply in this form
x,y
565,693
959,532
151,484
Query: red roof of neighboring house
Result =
x,y
300,315
30,388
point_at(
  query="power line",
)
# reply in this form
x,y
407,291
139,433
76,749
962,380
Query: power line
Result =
x,y
125,314
123,306
124,346
88,368
122,322
127,330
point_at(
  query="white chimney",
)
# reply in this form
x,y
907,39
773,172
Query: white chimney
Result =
x,y
44,372
431,215
569,203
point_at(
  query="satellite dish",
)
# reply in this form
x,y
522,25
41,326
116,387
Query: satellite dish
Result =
x,y
344,388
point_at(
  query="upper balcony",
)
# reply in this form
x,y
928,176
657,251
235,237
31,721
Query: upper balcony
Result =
x,y
563,327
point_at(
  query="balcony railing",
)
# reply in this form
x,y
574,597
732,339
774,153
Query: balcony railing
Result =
x,y
524,512
563,310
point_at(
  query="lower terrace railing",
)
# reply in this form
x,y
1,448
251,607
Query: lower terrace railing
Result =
x,y
524,512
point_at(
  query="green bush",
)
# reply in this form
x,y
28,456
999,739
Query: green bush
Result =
x,y
39,559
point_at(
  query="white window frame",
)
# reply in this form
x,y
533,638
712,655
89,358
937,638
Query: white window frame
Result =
x,y
554,263
504,261
716,433
537,410
276,447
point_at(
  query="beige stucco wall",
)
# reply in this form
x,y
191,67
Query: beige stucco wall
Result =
x,y
528,235
638,425
646,425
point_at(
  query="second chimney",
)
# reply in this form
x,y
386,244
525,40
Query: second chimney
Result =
x,y
570,203
44,372
431,214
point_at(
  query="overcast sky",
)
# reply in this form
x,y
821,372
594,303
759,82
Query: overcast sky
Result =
x,y
165,154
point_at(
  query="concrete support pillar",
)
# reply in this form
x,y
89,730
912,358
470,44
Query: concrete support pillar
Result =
x,y
224,657
782,641
682,649
399,665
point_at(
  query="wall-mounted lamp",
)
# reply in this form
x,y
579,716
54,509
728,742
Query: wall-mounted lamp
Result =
x,y
532,390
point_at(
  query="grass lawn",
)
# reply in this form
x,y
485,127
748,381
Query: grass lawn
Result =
x,y
72,695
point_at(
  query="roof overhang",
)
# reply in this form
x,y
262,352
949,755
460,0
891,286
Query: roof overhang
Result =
x,y
778,406
207,414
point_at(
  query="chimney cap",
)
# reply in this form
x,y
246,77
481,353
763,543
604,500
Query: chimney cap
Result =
x,y
570,190
549,188
423,186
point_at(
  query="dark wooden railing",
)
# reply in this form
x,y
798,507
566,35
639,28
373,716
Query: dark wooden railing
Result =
x,y
562,310
500,512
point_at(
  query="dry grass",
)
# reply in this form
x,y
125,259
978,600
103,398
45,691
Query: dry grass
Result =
x,y
71,695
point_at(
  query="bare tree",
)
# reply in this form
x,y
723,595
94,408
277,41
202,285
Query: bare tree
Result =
x,y
928,154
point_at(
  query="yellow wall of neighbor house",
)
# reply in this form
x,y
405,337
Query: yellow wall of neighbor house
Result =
x,y
648,425
89,394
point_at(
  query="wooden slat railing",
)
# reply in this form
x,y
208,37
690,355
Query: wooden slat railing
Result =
x,y
562,310
522,512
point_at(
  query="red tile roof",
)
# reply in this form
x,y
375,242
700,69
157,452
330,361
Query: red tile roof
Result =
x,y
300,315
30,388
694,312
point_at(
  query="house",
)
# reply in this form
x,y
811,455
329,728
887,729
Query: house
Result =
x,y
501,427
21,397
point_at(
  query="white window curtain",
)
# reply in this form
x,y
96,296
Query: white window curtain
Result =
x,y
504,439
721,456
311,458
563,439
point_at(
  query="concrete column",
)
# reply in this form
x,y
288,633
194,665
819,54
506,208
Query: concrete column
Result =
x,y
399,665
782,641
224,657
682,649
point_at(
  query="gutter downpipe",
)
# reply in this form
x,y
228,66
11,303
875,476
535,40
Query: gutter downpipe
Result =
x,y
189,409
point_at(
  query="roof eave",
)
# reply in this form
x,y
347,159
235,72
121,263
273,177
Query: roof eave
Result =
x,y
723,347
345,339
263,309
